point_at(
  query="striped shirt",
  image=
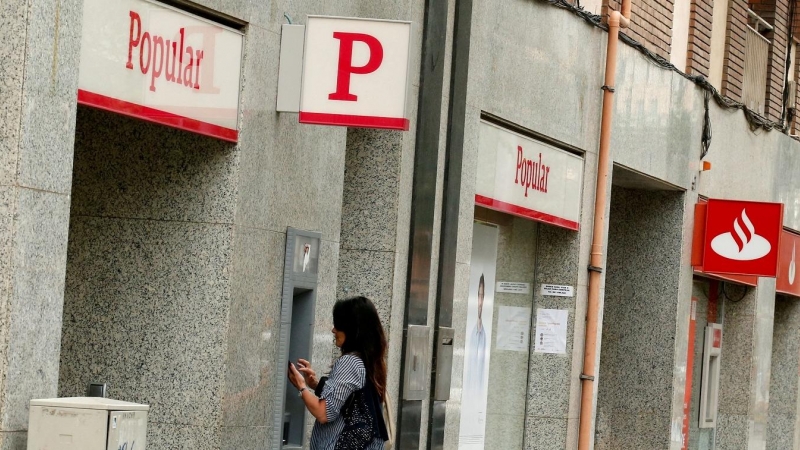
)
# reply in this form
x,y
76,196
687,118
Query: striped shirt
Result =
x,y
347,376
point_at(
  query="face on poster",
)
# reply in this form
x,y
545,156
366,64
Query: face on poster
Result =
x,y
306,254
477,353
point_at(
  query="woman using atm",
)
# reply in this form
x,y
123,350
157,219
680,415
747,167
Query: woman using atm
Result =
x,y
348,403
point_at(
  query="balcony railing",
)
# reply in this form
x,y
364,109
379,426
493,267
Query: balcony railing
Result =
x,y
756,57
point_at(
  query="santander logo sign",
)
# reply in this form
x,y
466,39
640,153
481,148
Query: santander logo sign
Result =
x,y
787,282
743,244
742,237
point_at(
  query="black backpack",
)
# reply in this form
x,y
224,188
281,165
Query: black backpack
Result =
x,y
363,418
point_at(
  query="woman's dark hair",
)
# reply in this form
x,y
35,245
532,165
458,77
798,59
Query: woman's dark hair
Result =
x,y
358,319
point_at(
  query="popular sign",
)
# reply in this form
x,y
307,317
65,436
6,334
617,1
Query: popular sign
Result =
x,y
788,280
528,178
742,237
355,73
157,63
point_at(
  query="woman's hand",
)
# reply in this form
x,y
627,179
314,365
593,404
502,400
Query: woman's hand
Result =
x,y
316,406
296,378
308,373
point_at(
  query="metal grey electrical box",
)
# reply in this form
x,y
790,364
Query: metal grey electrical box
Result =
x,y
87,423
416,364
444,363
290,70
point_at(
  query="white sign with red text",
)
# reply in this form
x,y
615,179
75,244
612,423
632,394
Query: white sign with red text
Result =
x,y
528,178
355,73
154,62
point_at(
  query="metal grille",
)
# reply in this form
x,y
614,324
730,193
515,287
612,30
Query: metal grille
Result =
x,y
756,56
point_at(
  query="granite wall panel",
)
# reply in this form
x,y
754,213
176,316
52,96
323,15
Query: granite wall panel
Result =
x,y
509,389
252,340
34,303
149,268
151,319
373,251
699,437
639,319
783,388
13,24
39,48
133,169
746,365
550,377
47,119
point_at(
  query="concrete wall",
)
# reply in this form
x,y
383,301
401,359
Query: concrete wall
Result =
x,y
639,320
373,253
783,388
524,73
148,285
510,47
521,71
553,393
39,44
745,365
177,245
508,386
700,438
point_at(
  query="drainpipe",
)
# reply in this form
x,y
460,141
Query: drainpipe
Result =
x,y
589,376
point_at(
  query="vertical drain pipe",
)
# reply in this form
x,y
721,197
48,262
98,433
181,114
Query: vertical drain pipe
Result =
x,y
589,375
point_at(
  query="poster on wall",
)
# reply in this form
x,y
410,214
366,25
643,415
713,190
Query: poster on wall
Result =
x,y
513,328
551,331
477,354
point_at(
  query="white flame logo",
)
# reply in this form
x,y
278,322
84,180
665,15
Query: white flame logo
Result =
x,y
792,267
743,244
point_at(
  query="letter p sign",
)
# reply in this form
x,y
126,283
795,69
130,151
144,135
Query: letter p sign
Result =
x,y
346,68
355,73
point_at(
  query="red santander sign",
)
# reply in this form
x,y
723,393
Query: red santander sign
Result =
x,y
151,61
355,73
742,237
788,281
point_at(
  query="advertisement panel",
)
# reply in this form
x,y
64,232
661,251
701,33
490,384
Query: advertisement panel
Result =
x,y
157,63
477,354
787,281
528,178
355,73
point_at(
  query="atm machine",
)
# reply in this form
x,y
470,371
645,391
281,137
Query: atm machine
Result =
x,y
298,305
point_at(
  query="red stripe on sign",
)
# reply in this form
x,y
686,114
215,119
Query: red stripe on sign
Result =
x,y
515,210
347,120
156,116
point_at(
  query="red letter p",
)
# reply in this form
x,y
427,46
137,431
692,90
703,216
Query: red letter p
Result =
x,y
135,21
346,68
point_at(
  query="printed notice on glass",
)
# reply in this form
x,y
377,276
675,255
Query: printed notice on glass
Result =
x,y
557,290
551,331
513,325
513,287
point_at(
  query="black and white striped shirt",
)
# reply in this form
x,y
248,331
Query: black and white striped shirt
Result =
x,y
347,376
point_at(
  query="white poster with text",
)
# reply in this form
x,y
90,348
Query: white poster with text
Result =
x,y
551,331
513,328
